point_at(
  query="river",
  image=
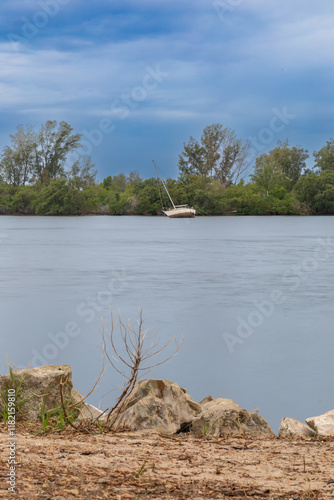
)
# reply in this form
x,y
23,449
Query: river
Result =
x,y
252,297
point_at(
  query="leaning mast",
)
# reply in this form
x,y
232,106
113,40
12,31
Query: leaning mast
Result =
x,y
156,168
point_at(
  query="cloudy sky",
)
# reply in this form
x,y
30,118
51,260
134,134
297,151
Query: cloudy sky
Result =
x,y
138,77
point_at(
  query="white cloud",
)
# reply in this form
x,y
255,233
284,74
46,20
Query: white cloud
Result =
x,y
218,71
90,75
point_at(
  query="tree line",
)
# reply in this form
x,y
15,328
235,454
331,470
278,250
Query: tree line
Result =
x,y
42,172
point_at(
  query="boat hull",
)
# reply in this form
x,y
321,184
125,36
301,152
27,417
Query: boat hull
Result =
x,y
180,213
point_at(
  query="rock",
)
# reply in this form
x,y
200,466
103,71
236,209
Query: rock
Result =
x,y
38,386
293,428
225,417
90,412
86,410
207,399
323,424
160,405
76,396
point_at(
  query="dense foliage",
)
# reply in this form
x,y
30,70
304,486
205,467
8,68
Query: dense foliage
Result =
x,y
38,177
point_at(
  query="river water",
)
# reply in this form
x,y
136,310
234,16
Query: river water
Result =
x,y
251,296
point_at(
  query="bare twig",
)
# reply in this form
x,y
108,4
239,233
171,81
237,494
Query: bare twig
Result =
x,y
68,420
136,353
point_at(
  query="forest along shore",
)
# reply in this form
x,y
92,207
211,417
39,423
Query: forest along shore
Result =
x,y
218,174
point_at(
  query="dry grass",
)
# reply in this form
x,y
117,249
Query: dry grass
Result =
x,y
151,466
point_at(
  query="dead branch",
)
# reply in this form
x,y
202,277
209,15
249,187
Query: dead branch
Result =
x,y
68,420
136,353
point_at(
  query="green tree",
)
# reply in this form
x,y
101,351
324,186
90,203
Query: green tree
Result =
x,y
23,200
134,178
119,182
233,162
219,155
120,204
317,192
6,196
17,160
11,170
107,182
53,144
147,199
192,159
83,172
38,156
51,198
281,167
212,138
290,160
267,174
59,198
324,158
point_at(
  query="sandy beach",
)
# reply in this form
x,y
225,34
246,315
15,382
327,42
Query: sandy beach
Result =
x,y
147,465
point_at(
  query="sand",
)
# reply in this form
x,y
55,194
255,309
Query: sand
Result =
x,y
147,465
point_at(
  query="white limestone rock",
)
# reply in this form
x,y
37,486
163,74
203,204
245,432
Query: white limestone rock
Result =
x,y
39,386
225,417
291,428
323,425
160,405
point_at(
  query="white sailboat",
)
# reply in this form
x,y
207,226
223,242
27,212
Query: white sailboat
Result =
x,y
178,211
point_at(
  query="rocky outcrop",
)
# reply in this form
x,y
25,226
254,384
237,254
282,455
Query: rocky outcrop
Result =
x,y
160,405
37,387
291,428
323,425
225,417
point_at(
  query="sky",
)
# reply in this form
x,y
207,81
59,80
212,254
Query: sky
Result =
x,y
138,77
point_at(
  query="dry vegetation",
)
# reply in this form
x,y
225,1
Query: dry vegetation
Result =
x,y
120,466
58,461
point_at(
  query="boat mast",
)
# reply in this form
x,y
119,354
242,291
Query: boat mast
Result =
x,y
164,185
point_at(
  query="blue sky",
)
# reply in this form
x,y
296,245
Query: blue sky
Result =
x,y
139,77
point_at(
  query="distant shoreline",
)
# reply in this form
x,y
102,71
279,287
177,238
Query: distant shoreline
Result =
x,y
160,215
